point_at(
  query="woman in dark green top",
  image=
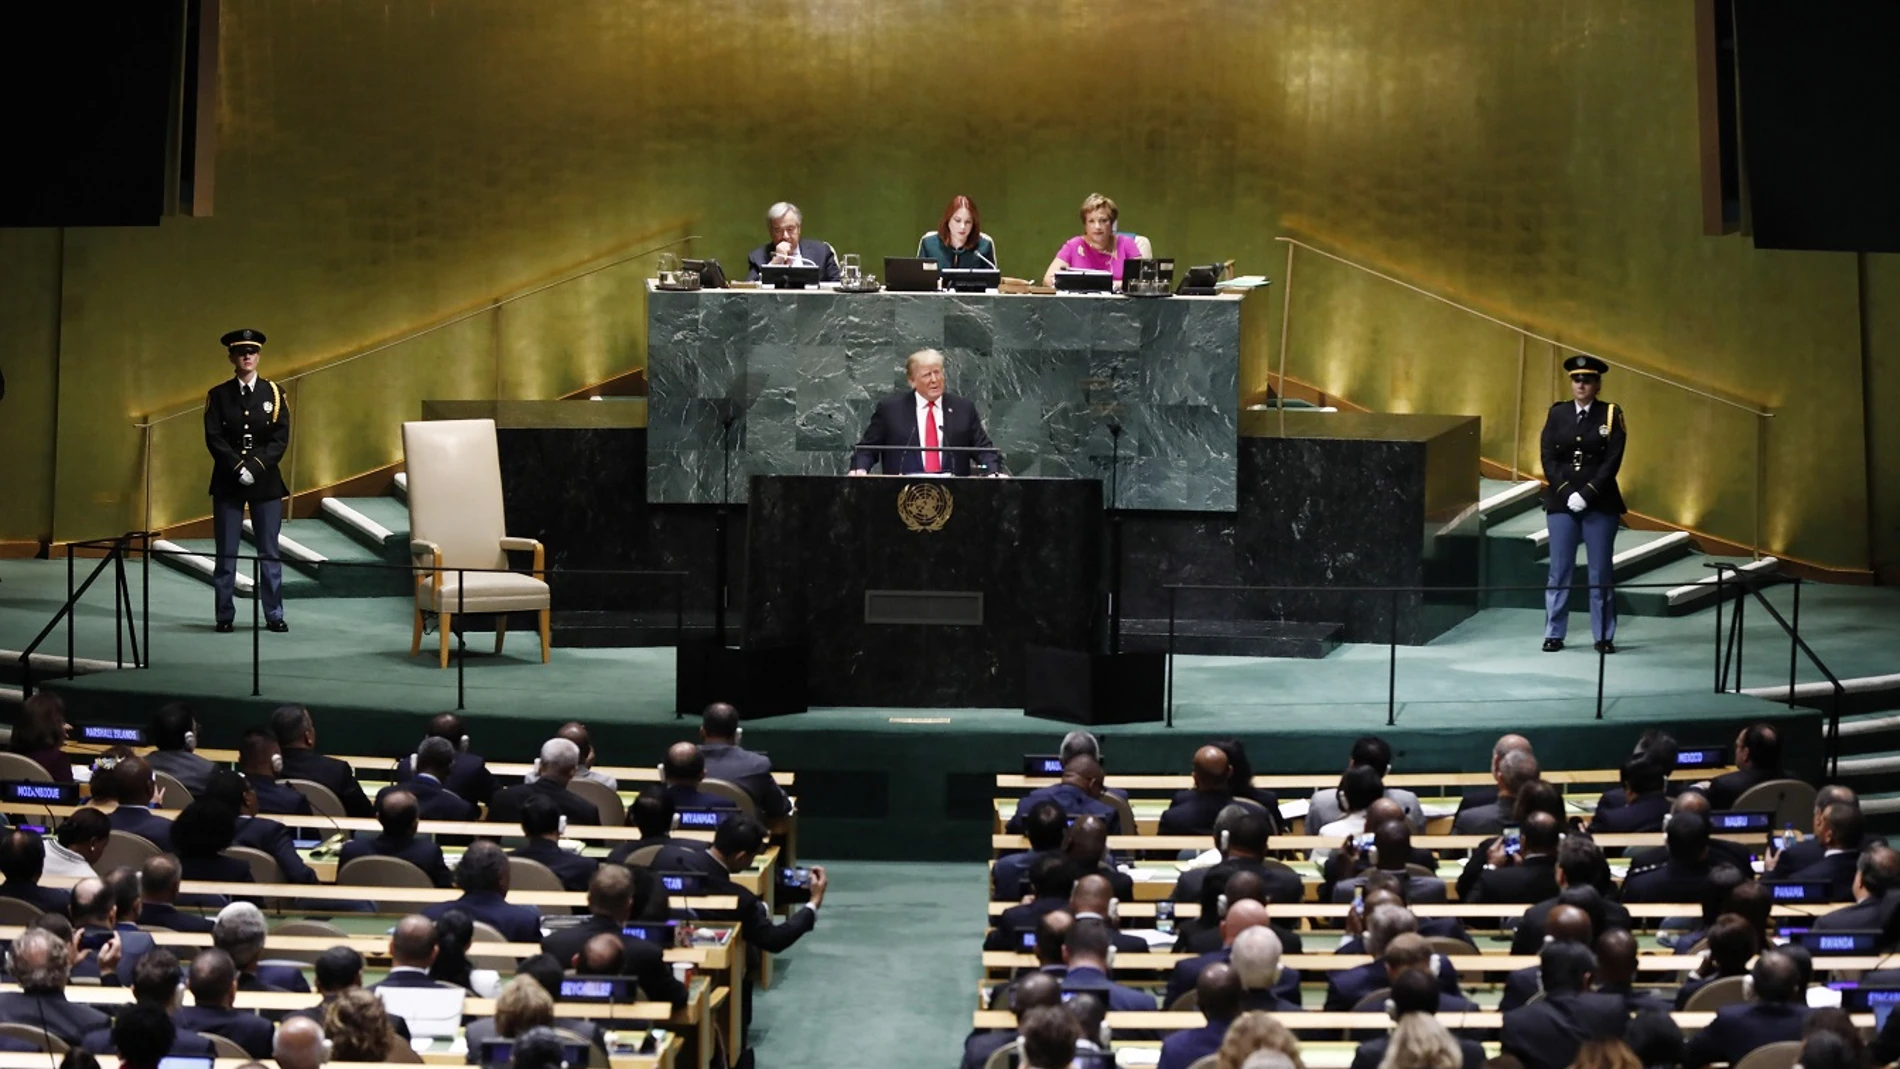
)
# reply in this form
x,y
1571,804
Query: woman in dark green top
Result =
x,y
959,240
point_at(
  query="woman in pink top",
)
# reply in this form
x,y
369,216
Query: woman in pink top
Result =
x,y
1098,248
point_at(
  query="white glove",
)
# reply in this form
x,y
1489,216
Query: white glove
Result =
x,y
1577,503
245,478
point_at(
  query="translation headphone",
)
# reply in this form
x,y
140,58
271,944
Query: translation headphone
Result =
x,y
276,763
1223,840
738,734
191,737
1114,911
560,827
1220,906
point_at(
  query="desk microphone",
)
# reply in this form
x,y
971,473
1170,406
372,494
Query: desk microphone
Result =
x,y
978,252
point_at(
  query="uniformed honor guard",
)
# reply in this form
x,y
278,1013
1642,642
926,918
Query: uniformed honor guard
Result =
x,y
247,429
1582,450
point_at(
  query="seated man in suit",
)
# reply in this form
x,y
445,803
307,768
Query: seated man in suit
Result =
x,y
340,969
1227,887
1515,769
468,776
296,736
1051,881
1875,877
1052,931
652,813
1840,832
1192,812
174,731
1774,1016
1566,923
1079,792
1732,943
1368,751
398,813
1484,797
1246,838
1546,1034
556,766
1531,874
576,732
788,246
542,823
680,776
907,428
214,982
262,764
1347,988
1408,952
1580,867
483,877
1044,828
412,950
1645,798
158,897
42,966
234,790
136,789
77,844
95,917
615,895
144,1036
1035,991
1240,916
719,734
435,765
240,931
1392,851
1617,974
1757,760
1682,878
155,984
1094,897
1255,957
1662,751
1086,952
1413,992
1721,851
1085,845
1217,994
1800,855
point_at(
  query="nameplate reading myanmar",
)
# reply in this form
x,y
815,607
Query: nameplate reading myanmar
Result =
x,y
925,506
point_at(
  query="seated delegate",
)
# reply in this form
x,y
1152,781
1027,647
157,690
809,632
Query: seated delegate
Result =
x,y
1098,247
959,240
789,247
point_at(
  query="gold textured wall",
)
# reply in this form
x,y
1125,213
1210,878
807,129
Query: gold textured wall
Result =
x,y
383,166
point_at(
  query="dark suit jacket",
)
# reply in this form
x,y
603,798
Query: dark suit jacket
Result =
x,y
1193,812
479,1032
133,945
573,869
1372,1052
1546,1034
1870,914
1532,879
1600,444
274,797
275,839
978,1046
243,1027
644,961
1637,1001
1194,939
517,924
1645,814
468,777
1724,789
694,798
894,423
1529,937
1419,890
49,899
185,767
422,853
1009,877
1483,819
1520,986
272,977
1120,996
1742,1027
409,978
142,821
1345,987
435,801
69,1021
755,921
332,773
507,804
1721,852
751,772
1283,885
184,1044
1836,870
1016,918
625,850
1797,857
1187,1046
170,917
228,418
1672,881
817,252
1073,800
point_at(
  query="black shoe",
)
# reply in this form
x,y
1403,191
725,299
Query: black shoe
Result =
x,y
1552,645
225,627
277,626
1606,646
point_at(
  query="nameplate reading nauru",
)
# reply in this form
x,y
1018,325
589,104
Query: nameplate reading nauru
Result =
x,y
925,506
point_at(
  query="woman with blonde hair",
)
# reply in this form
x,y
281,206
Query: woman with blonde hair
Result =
x,y
1420,1042
523,1004
1606,1053
1252,1032
357,1027
1099,247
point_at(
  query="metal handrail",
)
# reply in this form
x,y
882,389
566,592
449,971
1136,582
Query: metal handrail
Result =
x,y
121,598
1731,647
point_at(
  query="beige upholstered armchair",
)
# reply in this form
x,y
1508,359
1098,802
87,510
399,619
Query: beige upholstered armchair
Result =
x,y
455,521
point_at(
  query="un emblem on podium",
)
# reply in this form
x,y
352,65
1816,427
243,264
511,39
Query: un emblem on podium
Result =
x,y
925,506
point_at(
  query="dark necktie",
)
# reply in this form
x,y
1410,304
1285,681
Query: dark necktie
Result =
x,y
1583,418
244,396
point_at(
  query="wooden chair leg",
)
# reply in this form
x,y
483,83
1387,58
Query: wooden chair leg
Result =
x,y
501,629
445,622
415,637
546,634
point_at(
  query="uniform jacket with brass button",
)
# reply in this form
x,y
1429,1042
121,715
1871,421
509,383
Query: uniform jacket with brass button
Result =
x,y
249,434
1582,457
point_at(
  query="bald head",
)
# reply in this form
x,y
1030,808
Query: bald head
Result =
x,y
1616,957
1567,924
684,765
576,732
1210,769
1383,810
1035,990
1092,894
299,1044
1508,744
413,942
1241,916
1690,802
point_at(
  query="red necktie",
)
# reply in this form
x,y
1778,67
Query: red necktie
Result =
x,y
933,461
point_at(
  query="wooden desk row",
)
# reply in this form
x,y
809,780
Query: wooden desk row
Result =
x,y
422,896
1306,843
1338,911
504,769
1608,777
1318,1020
1131,964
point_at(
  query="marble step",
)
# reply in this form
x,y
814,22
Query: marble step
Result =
x,y
1235,638
379,523
1500,500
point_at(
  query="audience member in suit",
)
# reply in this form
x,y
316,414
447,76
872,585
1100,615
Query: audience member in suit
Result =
x,y
1662,751
200,836
1203,934
541,823
1052,931
233,789
1240,916
1346,988
1646,799
468,776
158,895
526,1004
1808,851
262,764
340,969
97,906
1242,836
1085,952
136,789
1044,827
398,813
435,759
1217,994
155,984
553,770
1583,874
412,950
1079,792
1655,1038
576,732
1349,861
614,896
1616,973
1392,850
1565,924
1774,1016
1085,744
42,966
77,844
1757,760
1383,888
1415,999
1481,797
1529,876
1546,1034
1192,812
1255,957
1514,770
1682,878
1840,832
1536,796
1733,943
144,1035
483,878
680,776
1051,881
297,738
719,734
240,931
1410,952
1721,851
214,982
653,815
174,731
1037,990
1875,877
1368,751
22,862
1240,782
1094,897
1085,845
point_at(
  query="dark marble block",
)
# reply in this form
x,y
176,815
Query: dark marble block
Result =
x,y
1031,547
798,373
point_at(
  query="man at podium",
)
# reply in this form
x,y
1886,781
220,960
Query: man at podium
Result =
x,y
910,429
